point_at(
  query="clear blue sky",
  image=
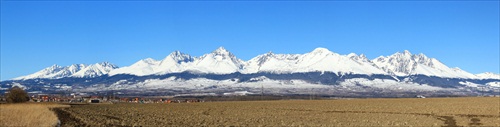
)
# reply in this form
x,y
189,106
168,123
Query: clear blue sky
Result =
x,y
35,35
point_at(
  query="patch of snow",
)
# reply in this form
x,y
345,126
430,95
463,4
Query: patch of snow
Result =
x,y
14,84
238,93
388,84
493,84
469,84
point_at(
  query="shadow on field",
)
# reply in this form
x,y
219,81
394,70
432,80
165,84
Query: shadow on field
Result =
x,y
67,120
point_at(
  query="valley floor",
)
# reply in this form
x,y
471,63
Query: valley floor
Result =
x,y
475,111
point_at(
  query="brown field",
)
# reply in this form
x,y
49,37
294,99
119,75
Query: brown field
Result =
x,y
355,112
28,114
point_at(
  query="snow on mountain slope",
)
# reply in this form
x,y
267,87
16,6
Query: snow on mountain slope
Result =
x,y
140,68
320,59
493,84
95,70
219,61
175,62
403,64
270,62
263,83
466,74
488,75
203,83
388,84
75,70
54,71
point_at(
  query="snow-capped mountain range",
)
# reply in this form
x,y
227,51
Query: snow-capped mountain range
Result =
x,y
320,71
75,70
221,61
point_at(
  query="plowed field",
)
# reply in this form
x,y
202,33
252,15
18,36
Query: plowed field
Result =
x,y
354,112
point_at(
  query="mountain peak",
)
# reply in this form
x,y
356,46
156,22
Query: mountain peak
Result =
x,y
178,57
270,53
104,63
320,50
54,66
405,63
77,65
176,53
221,50
406,52
362,55
402,55
149,60
107,64
352,54
356,57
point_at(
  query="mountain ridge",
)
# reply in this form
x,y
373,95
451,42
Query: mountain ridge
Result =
x,y
222,61
75,70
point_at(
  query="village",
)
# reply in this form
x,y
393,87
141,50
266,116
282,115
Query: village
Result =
x,y
75,98
111,99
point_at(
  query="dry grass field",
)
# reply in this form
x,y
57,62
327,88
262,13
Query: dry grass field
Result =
x,y
28,114
355,112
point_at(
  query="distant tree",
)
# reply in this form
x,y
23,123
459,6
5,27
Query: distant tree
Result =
x,y
16,95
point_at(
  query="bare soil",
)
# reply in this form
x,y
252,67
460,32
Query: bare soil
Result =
x,y
445,112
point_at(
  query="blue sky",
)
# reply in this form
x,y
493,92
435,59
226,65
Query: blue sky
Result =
x,y
36,35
